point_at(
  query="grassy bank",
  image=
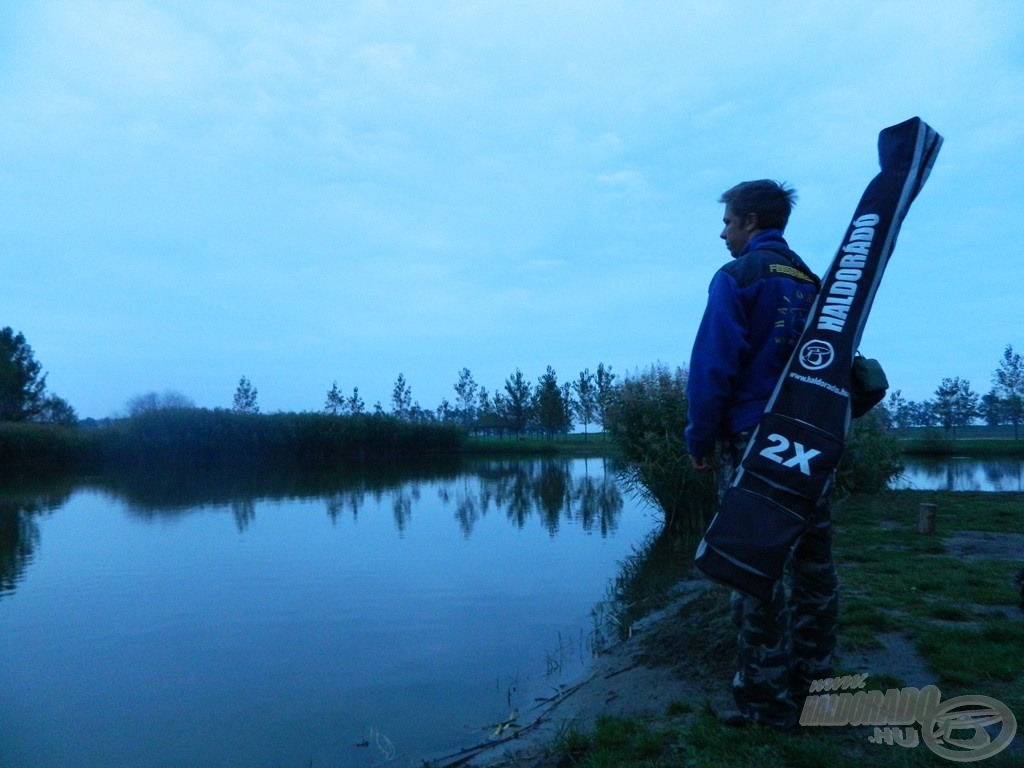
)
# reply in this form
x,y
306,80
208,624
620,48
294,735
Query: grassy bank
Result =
x,y
938,444
949,597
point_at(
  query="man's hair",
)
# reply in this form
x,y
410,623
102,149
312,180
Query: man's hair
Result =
x,y
771,201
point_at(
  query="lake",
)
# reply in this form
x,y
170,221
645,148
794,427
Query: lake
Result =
x,y
961,474
184,621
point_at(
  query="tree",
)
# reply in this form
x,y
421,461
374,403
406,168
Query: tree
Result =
x,y
992,409
922,414
1009,384
22,381
568,408
518,405
586,398
401,398
445,412
335,403
155,401
465,390
57,410
899,409
605,382
550,405
245,397
355,404
955,403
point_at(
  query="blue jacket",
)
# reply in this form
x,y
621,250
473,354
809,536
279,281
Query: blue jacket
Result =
x,y
757,307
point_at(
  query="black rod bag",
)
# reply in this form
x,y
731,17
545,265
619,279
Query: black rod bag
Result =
x,y
791,458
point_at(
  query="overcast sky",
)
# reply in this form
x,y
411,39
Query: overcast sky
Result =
x,y
305,193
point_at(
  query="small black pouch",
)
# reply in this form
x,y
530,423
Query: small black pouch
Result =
x,y
868,385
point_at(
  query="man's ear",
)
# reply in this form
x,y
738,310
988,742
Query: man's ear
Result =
x,y
750,223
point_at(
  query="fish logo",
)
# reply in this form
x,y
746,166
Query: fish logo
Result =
x,y
816,354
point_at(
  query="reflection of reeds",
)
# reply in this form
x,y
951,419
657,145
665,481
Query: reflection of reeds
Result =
x,y
372,737
573,648
644,583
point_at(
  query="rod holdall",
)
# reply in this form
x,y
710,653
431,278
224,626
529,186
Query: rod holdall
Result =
x,y
868,385
787,469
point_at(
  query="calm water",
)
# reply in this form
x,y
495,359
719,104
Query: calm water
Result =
x,y
962,474
172,622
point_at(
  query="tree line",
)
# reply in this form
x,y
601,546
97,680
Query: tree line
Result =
x,y
518,407
955,404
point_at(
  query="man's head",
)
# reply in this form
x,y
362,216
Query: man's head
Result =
x,y
752,206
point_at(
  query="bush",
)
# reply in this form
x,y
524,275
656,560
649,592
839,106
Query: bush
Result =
x,y
646,416
871,458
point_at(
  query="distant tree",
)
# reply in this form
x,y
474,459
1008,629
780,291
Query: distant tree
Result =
x,y
550,405
992,409
22,381
517,408
335,403
245,397
355,404
156,401
605,390
1009,385
445,412
922,414
955,403
465,390
401,398
898,408
492,413
568,408
586,398
419,414
57,410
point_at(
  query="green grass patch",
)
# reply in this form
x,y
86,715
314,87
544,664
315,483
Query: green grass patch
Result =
x,y
969,657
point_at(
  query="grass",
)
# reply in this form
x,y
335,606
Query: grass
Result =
x,y
960,613
938,443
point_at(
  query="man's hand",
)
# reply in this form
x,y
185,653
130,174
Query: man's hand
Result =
x,y
702,464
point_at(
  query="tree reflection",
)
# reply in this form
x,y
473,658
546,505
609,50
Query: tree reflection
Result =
x,y
244,511
552,492
549,490
22,502
964,474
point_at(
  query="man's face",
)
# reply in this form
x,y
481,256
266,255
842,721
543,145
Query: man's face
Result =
x,y
737,231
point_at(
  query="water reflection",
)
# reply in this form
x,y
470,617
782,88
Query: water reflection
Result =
x,y
419,606
22,501
962,474
548,491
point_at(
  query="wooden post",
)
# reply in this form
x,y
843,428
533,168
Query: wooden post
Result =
x,y
926,518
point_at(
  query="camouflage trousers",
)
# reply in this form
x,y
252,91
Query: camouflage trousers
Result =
x,y
787,641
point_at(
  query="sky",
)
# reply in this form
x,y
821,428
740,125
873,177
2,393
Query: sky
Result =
x,y
319,192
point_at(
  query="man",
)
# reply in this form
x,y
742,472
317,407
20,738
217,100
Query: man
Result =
x,y
757,306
